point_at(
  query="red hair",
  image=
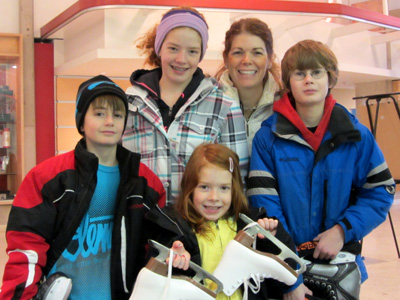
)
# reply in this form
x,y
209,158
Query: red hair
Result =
x,y
218,155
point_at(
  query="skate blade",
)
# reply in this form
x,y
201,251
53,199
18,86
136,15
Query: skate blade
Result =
x,y
253,228
201,274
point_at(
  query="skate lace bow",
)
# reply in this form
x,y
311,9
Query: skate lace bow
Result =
x,y
255,288
257,278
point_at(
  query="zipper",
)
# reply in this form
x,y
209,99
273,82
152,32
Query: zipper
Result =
x,y
220,241
172,221
311,192
219,234
325,205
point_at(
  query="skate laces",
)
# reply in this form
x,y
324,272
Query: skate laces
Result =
x,y
257,279
169,277
255,288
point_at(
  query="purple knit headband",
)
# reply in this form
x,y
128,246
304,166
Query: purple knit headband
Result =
x,y
181,18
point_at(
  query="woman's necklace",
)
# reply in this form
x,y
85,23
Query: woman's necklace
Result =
x,y
249,108
248,111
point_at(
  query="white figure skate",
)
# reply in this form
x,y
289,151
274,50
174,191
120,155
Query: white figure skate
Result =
x,y
240,262
155,281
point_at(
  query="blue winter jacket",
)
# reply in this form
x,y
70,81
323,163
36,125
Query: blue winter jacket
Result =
x,y
346,181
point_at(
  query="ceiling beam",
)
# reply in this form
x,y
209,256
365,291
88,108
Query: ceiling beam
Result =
x,y
294,23
351,29
385,38
288,7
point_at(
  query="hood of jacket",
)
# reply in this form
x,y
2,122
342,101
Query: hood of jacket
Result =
x,y
147,79
285,107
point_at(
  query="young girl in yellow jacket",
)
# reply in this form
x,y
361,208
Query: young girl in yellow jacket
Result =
x,y
206,217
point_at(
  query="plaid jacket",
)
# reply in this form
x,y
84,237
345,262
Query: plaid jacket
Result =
x,y
208,116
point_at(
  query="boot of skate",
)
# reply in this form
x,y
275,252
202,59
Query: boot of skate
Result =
x,y
155,281
240,262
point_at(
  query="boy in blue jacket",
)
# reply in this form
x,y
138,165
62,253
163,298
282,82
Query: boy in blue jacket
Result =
x,y
314,166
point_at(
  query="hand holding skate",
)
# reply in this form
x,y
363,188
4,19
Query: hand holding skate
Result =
x,y
240,262
155,281
253,228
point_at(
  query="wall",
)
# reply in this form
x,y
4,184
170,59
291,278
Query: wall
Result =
x,y
46,10
9,16
388,121
66,89
345,97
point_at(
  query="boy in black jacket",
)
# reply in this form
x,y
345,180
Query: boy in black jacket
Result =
x,y
81,213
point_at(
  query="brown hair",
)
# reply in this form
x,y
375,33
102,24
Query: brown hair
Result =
x,y
258,28
218,155
106,100
112,101
306,55
146,42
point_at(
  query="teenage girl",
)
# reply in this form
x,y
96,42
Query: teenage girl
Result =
x,y
175,107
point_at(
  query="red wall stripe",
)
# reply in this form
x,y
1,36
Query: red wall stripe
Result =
x,y
44,101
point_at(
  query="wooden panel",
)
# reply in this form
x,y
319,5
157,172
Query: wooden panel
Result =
x,y
9,45
123,83
388,130
67,139
66,90
396,87
65,114
388,136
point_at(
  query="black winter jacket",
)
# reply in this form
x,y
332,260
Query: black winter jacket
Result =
x,y
172,227
50,205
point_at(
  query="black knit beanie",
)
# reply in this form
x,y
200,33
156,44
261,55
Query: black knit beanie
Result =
x,y
92,88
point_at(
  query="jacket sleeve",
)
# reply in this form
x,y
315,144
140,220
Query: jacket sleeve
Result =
x,y
262,186
156,188
233,135
374,191
27,234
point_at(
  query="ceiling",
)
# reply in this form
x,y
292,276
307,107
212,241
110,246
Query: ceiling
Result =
x,y
101,39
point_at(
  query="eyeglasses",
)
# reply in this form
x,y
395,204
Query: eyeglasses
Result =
x,y
300,75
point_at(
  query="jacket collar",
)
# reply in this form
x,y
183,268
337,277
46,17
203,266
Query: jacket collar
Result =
x,y
87,163
150,81
341,130
140,99
286,108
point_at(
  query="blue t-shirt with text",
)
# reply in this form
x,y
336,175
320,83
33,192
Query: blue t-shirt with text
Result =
x,y
87,258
